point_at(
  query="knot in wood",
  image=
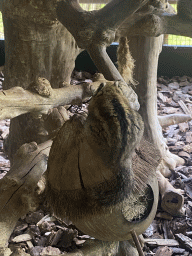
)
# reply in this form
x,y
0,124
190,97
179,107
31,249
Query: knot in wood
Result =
x,y
41,86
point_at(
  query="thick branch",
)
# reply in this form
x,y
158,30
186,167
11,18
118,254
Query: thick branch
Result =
x,y
17,101
177,26
93,31
18,189
96,27
102,60
155,25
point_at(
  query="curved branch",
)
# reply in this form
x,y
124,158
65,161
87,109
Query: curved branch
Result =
x,y
95,30
155,25
104,63
97,27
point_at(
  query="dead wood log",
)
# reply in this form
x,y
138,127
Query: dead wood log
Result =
x,y
155,25
173,119
172,199
20,192
89,176
154,22
21,188
161,242
17,101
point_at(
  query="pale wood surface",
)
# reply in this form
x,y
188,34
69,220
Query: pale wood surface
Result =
x,y
172,199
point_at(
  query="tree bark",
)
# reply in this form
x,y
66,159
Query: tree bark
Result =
x,y
155,25
19,192
145,51
36,45
94,31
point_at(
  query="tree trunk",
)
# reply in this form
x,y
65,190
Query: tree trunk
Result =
x,y
36,45
145,51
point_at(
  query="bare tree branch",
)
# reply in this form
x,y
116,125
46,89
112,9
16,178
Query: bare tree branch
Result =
x,y
17,101
173,119
95,30
155,25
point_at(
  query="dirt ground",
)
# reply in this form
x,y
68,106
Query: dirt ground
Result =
x,y
39,233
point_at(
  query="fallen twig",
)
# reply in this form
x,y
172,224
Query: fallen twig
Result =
x,y
173,119
172,199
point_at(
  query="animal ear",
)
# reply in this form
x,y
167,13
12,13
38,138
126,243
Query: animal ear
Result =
x,y
99,88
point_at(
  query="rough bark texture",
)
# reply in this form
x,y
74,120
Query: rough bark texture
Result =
x,y
36,45
96,30
17,101
19,192
145,51
42,53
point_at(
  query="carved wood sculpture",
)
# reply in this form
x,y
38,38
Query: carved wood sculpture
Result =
x,y
101,172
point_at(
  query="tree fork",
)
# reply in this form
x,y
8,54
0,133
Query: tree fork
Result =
x,y
94,31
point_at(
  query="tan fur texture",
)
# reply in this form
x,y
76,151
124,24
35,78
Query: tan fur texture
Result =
x,y
125,61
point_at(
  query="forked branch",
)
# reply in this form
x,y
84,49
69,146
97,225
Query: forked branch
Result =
x,y
95,30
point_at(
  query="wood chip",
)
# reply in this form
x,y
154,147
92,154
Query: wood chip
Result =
x,y
22,238
162,97
164,215
189,233
29,244
178,250
188,148
56,237
189,137
185,240
79,242
165,251
183,127
184,154
161,242
184,107
173,86
46,218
